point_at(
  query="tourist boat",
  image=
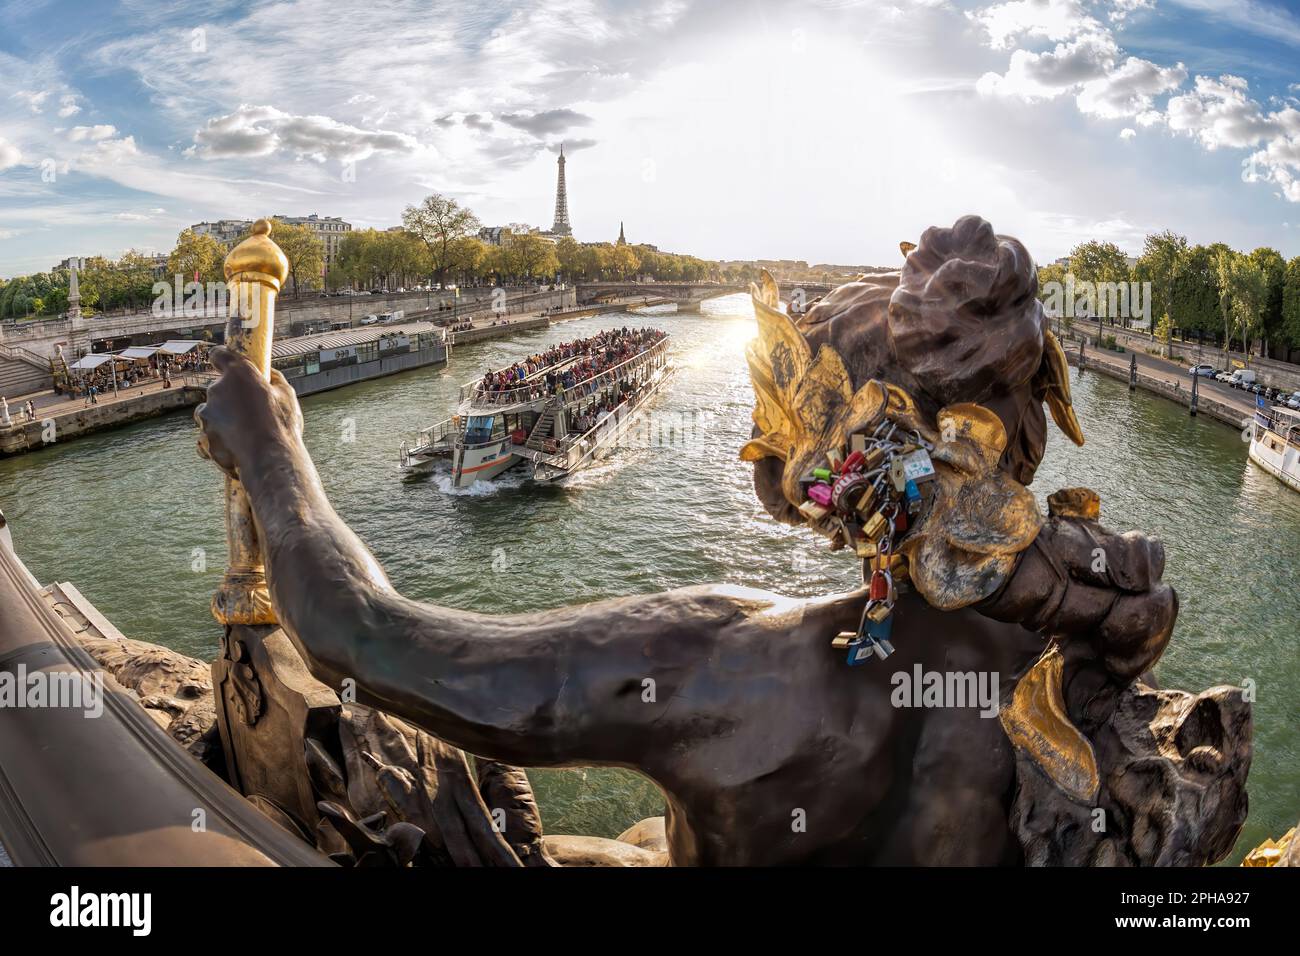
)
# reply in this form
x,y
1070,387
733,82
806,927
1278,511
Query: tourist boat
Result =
x,y
495,429
1275,443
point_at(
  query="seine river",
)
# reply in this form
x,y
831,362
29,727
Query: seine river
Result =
x,y
121,515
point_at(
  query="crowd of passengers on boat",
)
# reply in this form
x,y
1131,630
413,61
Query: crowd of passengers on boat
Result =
x,y
597,353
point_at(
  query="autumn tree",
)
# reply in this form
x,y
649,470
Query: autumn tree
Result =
x,y
197,257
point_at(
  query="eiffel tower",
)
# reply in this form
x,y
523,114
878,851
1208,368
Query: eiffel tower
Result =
x,y
561,227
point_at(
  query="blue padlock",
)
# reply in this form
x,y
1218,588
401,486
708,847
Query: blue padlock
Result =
x,y
912,494
860,651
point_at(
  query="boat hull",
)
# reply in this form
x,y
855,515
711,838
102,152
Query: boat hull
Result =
x,y
1277,457
482,462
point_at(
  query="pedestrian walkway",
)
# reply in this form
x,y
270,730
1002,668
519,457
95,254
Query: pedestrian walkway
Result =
x,y
50,405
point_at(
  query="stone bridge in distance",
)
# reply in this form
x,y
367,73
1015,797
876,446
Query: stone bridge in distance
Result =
x,y
687,295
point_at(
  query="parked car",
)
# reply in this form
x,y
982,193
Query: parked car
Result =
x,y
1243,378
1293,401
369,320
1207,371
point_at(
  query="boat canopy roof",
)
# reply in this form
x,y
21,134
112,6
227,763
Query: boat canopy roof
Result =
x,y
301,345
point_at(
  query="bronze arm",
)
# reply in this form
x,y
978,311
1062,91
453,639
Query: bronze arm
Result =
x,y
565,686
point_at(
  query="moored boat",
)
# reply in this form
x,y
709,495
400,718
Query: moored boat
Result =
x,y
1275,443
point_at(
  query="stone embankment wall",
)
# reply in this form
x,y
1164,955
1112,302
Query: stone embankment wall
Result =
x,y
29,436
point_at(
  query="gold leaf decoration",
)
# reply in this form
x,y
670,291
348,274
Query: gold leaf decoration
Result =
x,y
1036,722
1053,382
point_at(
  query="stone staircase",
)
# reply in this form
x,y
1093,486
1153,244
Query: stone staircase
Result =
x,y
22,371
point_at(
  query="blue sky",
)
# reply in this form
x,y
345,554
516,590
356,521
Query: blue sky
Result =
x,y
825,130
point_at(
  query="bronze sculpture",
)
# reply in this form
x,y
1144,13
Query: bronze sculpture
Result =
x,y
768,749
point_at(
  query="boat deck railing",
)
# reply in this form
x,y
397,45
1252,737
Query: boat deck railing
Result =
x,y
1283,422
579,447
534,388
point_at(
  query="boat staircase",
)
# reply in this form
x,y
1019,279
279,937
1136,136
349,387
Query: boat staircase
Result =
x,y
542,430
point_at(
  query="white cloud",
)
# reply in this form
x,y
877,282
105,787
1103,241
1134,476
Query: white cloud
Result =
x,y
1218,112
1040,19
10,155
1127,133
79,134
1049,74
1129,89
252,131
1123,8
35,99
68,106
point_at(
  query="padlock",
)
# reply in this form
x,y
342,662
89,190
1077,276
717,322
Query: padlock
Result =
x,y
878,633
848,488
820,493
873,458
912,494
823,474
897,474
879,588
844,639
860,651
866,503
918,466
864,547
814,512
900,520
876,526
879,613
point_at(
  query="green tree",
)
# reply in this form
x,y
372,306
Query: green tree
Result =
x,y
1291,304
1162,254
1273,267
438,222
1243,290
1194,291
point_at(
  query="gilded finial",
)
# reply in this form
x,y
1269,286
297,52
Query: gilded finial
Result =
x,y
259,255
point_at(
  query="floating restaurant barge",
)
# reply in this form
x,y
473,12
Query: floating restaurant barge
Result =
x,y
318,363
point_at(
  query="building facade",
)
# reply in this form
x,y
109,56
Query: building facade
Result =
x,y
330,230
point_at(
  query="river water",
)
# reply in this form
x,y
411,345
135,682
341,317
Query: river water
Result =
x,y
133,518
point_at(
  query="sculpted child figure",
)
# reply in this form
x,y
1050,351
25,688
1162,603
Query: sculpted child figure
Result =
x,y
769,749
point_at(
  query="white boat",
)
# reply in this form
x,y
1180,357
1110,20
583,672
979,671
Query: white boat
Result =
x,y
1275,444
533,424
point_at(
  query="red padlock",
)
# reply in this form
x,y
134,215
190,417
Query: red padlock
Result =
x,y
879,588
900,520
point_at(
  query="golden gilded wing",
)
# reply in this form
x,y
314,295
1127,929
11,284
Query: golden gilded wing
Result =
x,y
1053,379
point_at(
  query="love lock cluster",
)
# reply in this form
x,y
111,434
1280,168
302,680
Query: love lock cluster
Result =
x,y
869,500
